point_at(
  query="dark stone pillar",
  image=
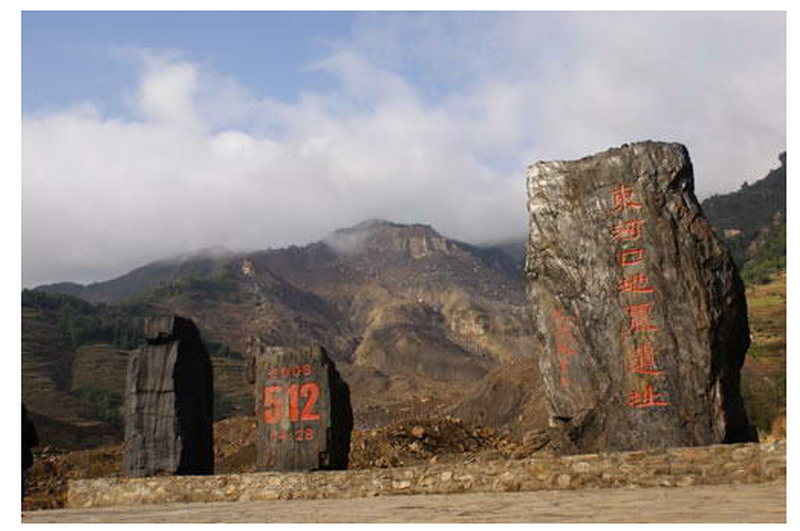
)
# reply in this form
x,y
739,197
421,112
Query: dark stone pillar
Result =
x,y
169,402
302,408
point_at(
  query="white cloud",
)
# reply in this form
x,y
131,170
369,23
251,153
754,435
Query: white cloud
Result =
x,y
208,162
713,81
167,95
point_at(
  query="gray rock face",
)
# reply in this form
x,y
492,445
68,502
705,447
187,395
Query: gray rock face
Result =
x,y
303,411
639,309
169,402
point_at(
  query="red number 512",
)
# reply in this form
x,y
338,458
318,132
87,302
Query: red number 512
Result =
x,y
274,402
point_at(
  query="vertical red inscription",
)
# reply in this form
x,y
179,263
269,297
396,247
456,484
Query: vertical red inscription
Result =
x,y
637,283
641,321
565,341
563,378
628,231
566,344
646,398
630,257
643,360
622,197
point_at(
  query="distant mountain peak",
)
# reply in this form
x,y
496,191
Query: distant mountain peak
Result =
x,y
380,235
213,252
374,224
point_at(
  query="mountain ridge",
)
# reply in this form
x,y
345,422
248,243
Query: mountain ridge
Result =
x,y
407,313
400,308
396,240
745,218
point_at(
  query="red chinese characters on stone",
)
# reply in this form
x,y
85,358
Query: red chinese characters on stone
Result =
x,y
630,257
622,197
563,376
646,398
628,231
637,283
643,360
566,344
640,318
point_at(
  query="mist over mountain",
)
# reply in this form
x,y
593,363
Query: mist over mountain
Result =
x,y
401,308
407,313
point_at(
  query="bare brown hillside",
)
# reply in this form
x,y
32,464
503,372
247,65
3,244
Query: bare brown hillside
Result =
x,y
407,314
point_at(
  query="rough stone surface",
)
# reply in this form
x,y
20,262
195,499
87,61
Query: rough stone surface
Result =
x,y
639,309
303,411
169,402
745,463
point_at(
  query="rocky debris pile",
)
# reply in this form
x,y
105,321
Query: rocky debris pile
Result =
x,y
510,398
401,443
235,445
638,306
413,440
52,468
436,440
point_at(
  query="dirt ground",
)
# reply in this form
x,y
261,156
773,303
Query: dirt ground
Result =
x,y
761,503
403,442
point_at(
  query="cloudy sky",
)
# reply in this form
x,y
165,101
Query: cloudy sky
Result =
x,y
147,135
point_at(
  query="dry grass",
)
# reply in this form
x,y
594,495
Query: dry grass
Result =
x,y
764,372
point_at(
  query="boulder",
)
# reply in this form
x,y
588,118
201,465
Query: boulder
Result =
x,y
303,412
169,402
639,310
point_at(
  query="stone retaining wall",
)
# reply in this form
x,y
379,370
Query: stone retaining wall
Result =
x,y
675,467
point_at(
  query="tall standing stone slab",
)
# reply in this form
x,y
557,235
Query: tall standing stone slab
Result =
x,y
303,410
169,402
638,307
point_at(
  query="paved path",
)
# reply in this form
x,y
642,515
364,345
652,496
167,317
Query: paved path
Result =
x,y
765,502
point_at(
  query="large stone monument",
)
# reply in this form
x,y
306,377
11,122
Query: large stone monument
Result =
x,y
639,309
169,402
303,410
